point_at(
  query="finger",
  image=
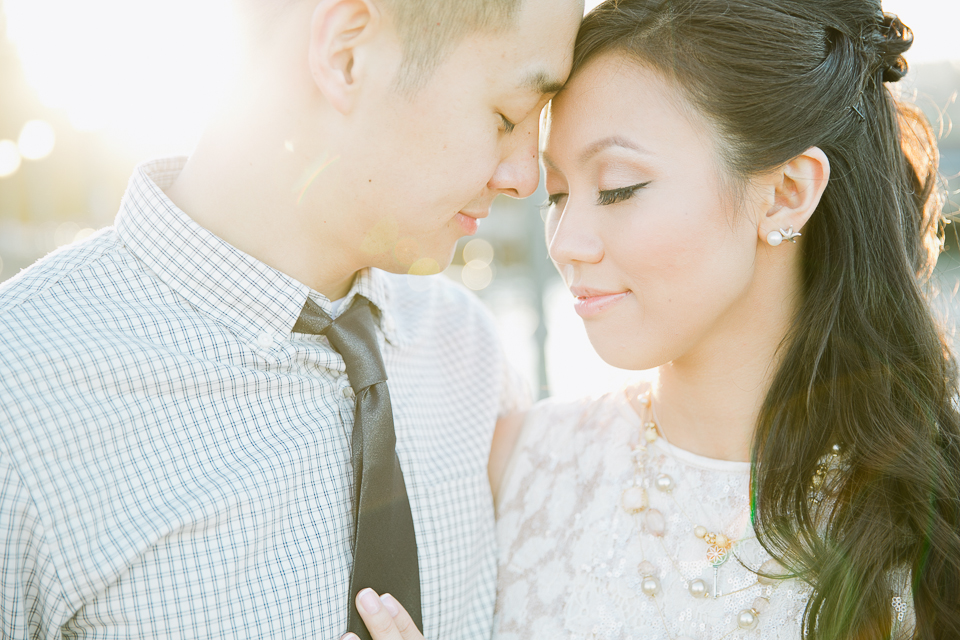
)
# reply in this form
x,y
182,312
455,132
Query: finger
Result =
x,y
408,630
378,620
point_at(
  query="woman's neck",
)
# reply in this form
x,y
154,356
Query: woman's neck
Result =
x,y
708,401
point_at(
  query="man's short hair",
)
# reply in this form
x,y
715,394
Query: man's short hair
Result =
x,y
428,29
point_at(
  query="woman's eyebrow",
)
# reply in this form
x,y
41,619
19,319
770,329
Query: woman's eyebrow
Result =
x,y
610,141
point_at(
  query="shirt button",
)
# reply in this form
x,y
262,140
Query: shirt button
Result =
x,y
348,393
264,340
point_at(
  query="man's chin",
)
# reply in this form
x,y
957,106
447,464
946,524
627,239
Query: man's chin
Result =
x,y
426,267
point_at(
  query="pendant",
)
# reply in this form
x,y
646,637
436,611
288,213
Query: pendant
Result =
x,y
716,556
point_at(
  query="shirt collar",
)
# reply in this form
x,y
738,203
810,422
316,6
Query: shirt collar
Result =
x,y
252,300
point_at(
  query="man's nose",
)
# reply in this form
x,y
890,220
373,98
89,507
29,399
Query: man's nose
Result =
x,y
518,173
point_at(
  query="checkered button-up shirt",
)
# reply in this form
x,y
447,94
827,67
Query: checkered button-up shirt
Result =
x,y
175,462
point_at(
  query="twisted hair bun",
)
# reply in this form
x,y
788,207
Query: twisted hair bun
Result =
x,y
895,40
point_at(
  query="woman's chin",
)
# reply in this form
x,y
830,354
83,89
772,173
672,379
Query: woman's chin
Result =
x,y
622,356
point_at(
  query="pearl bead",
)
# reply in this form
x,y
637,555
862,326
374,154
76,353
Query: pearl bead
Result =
x,y
650,586
656,523
721,540
698,589
634,499
760,605
769,572
774,238
651,433
644,399
747,619
664,483
646,568
699,531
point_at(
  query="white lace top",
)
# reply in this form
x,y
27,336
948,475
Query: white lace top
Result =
x,y
574,563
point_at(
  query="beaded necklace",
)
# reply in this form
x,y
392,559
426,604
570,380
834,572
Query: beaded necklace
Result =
x,y
720,544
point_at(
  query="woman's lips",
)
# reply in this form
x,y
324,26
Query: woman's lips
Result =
x,y
590,303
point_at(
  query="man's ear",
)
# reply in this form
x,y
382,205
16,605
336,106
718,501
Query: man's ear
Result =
x,y
798,187
338,59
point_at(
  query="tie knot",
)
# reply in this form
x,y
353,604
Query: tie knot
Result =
x,y
353,334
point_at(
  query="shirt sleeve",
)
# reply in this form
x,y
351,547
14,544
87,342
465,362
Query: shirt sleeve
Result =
x,y
30,595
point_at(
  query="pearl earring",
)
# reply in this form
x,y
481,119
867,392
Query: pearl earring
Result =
x,y
774,238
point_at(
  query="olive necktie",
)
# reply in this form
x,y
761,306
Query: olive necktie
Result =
x,y
385,545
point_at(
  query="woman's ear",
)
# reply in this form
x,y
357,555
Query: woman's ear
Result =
x,y
341,32
799,185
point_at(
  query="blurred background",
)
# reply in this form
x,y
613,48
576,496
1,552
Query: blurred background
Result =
x,y
89,89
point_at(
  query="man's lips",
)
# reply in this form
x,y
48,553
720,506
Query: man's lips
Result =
x,y
470,220
590,302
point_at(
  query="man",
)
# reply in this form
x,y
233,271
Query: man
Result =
x,y
177,447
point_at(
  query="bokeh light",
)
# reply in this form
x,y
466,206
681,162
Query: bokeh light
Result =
x,y
66,233
37,140
476,275
478,250
9,158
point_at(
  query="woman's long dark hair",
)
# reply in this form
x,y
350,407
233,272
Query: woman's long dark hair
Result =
x,y
864,366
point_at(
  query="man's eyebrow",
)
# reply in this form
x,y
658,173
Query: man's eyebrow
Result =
x,y
547,161
542,83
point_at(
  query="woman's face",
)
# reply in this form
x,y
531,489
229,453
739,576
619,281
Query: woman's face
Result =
x,y
657,251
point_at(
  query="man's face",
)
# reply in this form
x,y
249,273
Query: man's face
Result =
x,y
422,169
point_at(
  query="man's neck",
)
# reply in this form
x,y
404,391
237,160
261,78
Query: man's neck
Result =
x,y
244,183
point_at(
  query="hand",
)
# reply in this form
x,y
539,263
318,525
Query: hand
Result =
x,y
385,618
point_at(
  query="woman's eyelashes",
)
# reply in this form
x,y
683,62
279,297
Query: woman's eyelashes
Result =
x,y
553,199
508,126
613,196
610,196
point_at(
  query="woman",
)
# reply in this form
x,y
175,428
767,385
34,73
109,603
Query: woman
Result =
x,y
737,198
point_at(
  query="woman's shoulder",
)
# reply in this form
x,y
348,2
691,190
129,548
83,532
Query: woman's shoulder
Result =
x,y
562,433
588,411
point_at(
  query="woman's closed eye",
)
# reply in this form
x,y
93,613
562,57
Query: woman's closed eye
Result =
x,y
613,196
553,199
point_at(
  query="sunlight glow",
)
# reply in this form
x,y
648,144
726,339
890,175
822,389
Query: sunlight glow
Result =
x,y
9,158
147,72
36,140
